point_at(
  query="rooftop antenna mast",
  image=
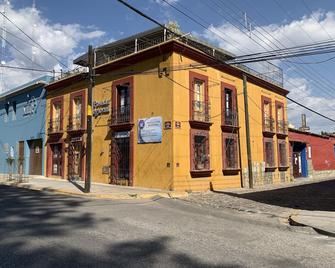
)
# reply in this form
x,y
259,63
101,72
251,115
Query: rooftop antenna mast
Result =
x,y
6,3
33,48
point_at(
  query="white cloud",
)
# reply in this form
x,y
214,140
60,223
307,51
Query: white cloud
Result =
x,y
60,39
301,91
318,26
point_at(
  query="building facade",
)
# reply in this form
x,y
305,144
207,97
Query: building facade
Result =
x,y
312,155
22,117
161,121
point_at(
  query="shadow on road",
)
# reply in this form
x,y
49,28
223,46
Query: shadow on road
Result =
x,y
40,229
314,196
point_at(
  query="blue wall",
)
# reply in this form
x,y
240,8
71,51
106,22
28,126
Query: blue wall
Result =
x,y
26,124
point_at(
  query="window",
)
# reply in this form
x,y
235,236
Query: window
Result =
x,y
282,153
229,112
200,112
199,150
230,151
123,103
77,111
57,116
281,124
199,98
268,122
268,153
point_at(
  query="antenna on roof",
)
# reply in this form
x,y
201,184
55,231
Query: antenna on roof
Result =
x,y
6,3
33,48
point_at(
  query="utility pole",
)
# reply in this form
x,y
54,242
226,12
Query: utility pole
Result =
x,y
91,77
247,127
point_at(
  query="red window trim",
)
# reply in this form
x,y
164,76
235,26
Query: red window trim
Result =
x,y
54,101
235,137
192,77
128,80
225,86
194,172
81,94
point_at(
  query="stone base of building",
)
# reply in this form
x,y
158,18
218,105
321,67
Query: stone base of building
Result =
x,y
261,176
318,174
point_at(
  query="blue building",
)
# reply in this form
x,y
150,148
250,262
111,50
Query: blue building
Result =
x,y
22,128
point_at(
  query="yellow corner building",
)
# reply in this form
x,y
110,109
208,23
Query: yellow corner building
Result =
x,y
168,113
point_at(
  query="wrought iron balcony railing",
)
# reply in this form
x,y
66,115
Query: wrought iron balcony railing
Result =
x,y
55,126
230,118
76,122
201,111
268,124
282,127
120,115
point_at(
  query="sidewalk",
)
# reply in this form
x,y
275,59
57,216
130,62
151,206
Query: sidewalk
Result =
x,y
303,202
98,190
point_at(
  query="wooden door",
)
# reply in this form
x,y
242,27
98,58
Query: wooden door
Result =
x,y
35,162
296,165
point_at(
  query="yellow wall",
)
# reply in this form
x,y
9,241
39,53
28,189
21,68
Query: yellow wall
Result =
x,y
166,165
182,177
65,92
152,97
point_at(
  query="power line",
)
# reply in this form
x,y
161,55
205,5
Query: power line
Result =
x,y
262,40
22,53
285,96
28,69
4,15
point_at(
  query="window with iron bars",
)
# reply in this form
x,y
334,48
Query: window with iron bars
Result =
x,y
200,151
230,153
282,153
230,111
269,153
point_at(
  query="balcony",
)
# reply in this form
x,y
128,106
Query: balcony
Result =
x,y
268,126
55,126
200,115
76,123
121,118
282,128
230,120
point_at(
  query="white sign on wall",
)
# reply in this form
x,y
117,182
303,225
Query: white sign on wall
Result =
x,y
150,130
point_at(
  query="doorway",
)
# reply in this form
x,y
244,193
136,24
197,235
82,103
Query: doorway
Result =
x,y
121,158
56,164
76,160
299,160
35,159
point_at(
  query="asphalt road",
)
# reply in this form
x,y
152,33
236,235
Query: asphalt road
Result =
x,y
46,230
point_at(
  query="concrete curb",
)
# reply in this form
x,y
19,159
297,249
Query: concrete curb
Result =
x,y
295,221
113,196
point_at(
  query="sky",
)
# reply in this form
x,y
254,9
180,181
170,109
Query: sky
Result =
x,y
66,28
